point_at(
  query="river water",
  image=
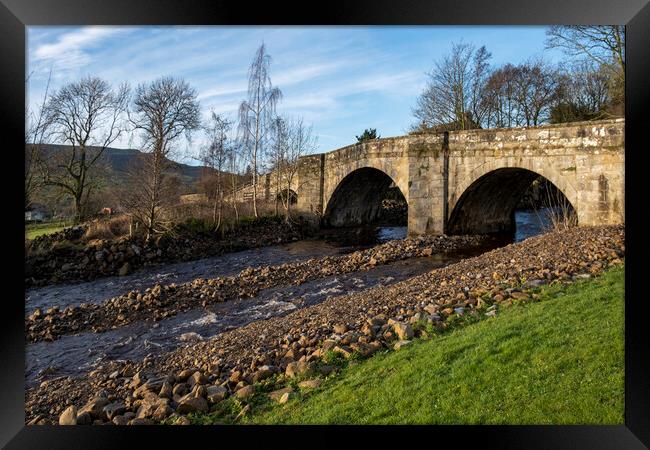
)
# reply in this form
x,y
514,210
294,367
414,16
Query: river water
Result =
x,y
72,355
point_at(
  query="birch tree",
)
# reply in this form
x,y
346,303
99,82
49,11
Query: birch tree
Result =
x,y
257,113
215,158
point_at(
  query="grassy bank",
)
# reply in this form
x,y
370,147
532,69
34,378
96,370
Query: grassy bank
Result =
x,y
556,361
34,230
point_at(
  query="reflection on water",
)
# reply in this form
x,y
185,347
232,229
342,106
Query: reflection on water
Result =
x,y
530,222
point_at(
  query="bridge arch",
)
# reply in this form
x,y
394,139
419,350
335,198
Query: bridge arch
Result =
x,y
289,194
357,197
487,204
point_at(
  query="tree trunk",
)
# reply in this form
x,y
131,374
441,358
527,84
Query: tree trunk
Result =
x,y
254,190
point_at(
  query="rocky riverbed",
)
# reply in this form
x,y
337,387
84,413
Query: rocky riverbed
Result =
x,y
198,375
163,301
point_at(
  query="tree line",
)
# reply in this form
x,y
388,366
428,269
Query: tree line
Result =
x,y
464,92
88,115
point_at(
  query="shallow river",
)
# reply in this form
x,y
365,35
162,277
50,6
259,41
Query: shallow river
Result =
x,y
75,354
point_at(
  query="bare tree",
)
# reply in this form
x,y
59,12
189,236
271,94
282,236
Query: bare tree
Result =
x,y
214,158
87,115
499,97
37,131
521,95
537,88
602,44
452,96
234,161
293,139
584,93
164,110
256,114
278,155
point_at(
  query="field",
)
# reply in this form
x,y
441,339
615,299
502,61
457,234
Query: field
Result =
x,y
37,229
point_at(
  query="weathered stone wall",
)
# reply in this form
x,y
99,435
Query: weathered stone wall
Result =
x,y
438,173
585,160
309,187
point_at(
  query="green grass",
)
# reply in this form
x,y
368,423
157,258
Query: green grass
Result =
x,y
557,361
34,230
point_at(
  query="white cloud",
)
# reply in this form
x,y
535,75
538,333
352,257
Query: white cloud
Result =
x,y
69,51
300,74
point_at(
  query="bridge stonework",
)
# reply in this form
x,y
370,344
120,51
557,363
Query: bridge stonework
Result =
x,y
470,181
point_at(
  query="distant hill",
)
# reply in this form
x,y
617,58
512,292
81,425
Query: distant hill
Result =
x,y
119,160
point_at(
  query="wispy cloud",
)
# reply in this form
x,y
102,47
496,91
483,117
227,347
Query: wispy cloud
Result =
x,y
341,79
70,49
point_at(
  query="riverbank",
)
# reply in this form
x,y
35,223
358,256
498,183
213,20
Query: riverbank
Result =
x,y
200,375
67,257
558,360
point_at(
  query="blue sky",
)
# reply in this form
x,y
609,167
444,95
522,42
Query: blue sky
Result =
x,y
340,79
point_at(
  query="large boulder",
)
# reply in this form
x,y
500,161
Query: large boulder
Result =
x,y
68,416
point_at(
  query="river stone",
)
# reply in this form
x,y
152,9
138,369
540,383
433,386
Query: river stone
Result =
x,y
190,404
95,407
216,393
161,412
190,337
298,368
310,384
197,378
276,395
125,269
114,409
286,397
340,328
200,390
166,391
68,416
404,331
119,420
400,344
245,392
344,350
262,373
149,405
141,421
84,418
183,375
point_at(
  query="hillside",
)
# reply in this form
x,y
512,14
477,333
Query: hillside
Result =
x,y
119,160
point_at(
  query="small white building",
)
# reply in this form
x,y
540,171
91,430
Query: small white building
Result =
x,y
37,213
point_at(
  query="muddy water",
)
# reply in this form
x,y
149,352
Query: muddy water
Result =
x,y
72,355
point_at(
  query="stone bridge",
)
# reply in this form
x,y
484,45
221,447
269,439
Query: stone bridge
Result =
x,y
469,181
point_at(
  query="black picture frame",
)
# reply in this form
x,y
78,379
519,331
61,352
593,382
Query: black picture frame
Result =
x,y
16,15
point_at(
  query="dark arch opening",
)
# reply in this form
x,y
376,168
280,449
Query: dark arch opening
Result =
x,y
489,205
287,193
366,196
